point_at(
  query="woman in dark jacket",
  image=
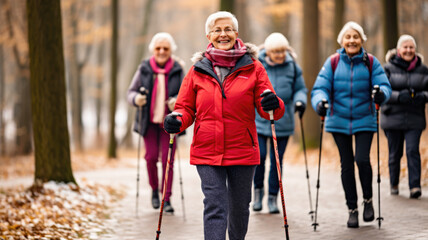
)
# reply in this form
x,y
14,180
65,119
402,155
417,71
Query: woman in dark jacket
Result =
x,y
153,91
403,117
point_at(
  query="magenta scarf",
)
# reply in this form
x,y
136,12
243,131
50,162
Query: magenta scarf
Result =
x,y
163,71
227,58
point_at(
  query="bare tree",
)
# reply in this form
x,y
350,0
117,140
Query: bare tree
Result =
x,y
390,24
22,112
339,13
48,101
310,66
76,64
114,66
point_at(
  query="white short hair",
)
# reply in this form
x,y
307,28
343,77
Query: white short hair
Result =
x,y
351,25
276,40
220,15
405,38
161,36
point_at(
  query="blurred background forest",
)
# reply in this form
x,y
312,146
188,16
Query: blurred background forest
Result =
x,y
87,42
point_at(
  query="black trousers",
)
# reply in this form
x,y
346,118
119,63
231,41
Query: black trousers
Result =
x,y
363,141
396,140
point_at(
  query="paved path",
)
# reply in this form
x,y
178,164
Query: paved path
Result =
x,y
404,218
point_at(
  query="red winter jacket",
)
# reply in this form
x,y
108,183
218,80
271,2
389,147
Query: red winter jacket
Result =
x,y
225,130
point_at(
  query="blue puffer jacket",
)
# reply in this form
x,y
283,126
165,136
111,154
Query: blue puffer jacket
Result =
x,y
353,109
282,78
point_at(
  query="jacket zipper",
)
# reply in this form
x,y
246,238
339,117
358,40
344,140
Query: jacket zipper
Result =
x,y
252,140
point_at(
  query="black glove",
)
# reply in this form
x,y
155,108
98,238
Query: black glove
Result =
x,y
269,101
404,97
322,107
300,107
171,124
378,96
419,98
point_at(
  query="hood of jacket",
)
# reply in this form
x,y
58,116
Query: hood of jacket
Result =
x,y
393,52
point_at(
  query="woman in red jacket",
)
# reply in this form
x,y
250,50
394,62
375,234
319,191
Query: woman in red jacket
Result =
x,y
220,94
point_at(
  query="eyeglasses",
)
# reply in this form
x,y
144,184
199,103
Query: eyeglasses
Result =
x,y
218,32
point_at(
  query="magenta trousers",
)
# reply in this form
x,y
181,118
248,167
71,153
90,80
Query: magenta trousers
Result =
x,y
156,141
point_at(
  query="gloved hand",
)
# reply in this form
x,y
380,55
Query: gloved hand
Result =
x,y
141,98
322,107
404,96
171,124
378,96
300,107
419,98
269,101
171,103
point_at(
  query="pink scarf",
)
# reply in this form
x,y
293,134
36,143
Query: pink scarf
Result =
x,y
160,90
227,58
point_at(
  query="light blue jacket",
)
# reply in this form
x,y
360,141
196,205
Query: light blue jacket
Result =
x,y
352,109
288,83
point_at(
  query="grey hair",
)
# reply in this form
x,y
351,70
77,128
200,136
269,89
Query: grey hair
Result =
x,y
351,25
220,15
405,38
160,37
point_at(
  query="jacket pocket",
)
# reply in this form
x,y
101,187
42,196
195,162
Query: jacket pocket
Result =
x,y
252,139
195,135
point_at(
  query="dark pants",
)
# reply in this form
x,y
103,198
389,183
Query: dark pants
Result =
x,y
363,141
273,173
156,141
396,140
227,191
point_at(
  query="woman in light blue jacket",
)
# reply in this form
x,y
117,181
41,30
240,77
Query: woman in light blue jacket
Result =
x,y
278,58
346,81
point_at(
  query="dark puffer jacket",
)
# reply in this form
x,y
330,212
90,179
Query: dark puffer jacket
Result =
x,y
400,116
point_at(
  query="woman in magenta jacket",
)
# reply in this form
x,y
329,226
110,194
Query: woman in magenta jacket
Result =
x,y
220,94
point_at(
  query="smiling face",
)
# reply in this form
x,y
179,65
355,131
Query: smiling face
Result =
x,y
162,52
277,55
407,50
223,35
352,42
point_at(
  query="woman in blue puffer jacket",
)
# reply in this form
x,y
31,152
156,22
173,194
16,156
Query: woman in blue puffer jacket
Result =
x,y
278,58
347,86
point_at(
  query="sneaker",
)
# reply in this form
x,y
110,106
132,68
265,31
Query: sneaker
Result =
x,y
168,208
415,192
155,199
353,218
368,213
394,190
258,196
272,205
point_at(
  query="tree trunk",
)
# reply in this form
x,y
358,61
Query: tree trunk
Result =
x,y
310,67
390,24
2,104
339,12
114,61
48,101
22,110
227,5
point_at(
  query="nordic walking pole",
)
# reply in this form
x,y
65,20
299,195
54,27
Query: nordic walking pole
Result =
x,y
311,212
315,224
171,143
278,168
181,179
380,218
142,90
